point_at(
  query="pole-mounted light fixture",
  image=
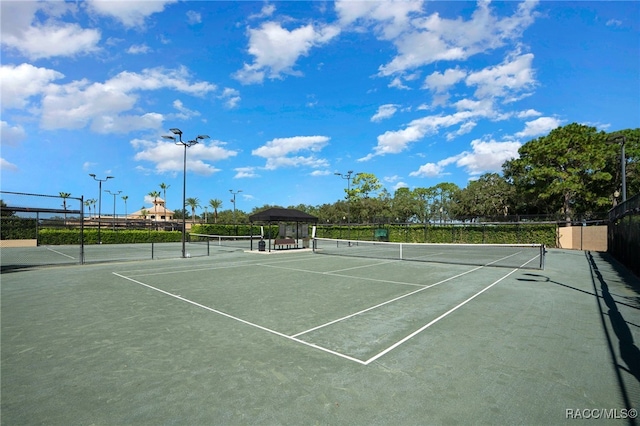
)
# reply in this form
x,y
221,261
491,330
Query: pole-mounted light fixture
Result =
x,y
234,202
93,175
621,139
178,141
347,176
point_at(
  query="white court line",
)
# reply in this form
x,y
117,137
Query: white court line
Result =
x,y
384,303
420,330
277,333
173,269
56,251
363,266
343,276
398,298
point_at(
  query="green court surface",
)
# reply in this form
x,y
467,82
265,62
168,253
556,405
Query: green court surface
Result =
x,y
293,337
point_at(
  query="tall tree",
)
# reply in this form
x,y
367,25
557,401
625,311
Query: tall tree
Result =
x,y
361,197
487,197
125,198
155,195
565,170
194,203
164,188
215,205
444,200
64,196
426,199
405,205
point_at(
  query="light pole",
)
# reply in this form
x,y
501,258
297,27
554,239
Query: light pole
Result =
x,y
178,141
621,139
99,200
347,176
114,205
234,202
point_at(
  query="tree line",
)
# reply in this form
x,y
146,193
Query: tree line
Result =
x,y
573,173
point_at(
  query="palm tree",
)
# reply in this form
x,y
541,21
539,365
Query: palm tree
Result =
x,y
193,203
155,195
164,188
94,201
125,198
215,205
88,204
64,196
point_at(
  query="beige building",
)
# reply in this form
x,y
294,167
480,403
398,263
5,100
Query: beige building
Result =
x,y
157,212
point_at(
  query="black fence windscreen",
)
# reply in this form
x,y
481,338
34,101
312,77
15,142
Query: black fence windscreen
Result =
x,y
624,233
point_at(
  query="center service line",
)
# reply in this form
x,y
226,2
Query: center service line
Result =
x,y
277,333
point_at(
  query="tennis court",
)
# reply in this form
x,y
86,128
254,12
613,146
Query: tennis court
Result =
x,y
295,337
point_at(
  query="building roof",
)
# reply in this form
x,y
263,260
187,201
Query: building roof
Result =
x,y
282,215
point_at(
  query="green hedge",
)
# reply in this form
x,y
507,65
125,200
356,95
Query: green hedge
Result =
x,y
72,236
465,234
240,229
471,234
16,228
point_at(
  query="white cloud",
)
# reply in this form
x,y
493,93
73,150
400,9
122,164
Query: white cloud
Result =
x,y
11,135
463,130
34,38
276,49
103,106
129,13
485,156
185,113
168,157
138,49
441,82
400,185
245,172
384,111
6,165
231,97
539,126
427,170
514,75
278,152
389,19
398,84
267,10
20,83
528,113
422,40
395,142
614,23
193,17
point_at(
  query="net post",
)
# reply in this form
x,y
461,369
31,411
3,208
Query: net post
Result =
x,y
151,250
208,240
542,254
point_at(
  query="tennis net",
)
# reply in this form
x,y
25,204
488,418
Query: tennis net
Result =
x,y
527,256
242,242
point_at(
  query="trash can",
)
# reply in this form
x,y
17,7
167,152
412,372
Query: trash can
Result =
x,y
261,245
305,243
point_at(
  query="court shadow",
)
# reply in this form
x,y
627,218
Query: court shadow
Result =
x,y
629,352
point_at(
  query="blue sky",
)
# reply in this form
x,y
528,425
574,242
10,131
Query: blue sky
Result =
x,y
415,92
